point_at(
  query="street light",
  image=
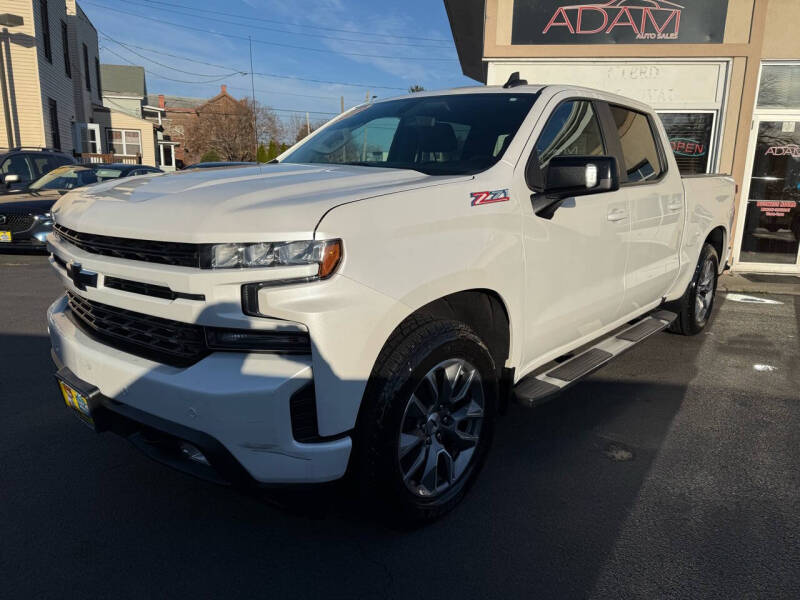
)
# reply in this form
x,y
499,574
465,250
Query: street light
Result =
x,y
7,20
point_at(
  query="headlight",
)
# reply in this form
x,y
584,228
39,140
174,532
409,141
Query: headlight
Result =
x,y
325,253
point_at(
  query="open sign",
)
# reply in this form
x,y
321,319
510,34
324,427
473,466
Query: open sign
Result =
x,y
688,147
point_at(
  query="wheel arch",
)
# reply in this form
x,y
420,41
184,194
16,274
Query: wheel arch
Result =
x,y
718,238
482,309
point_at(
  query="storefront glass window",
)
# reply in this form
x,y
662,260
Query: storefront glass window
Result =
x,y
779,87
690,137
772,223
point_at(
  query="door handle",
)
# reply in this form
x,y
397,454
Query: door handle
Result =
x,y
617,214
675,205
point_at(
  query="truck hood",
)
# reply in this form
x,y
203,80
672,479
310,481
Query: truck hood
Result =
x,y
274,202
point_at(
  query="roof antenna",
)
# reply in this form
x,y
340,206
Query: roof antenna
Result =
x,y
514,81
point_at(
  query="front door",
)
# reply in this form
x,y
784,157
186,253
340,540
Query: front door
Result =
x,y
769,223
87,138
575,261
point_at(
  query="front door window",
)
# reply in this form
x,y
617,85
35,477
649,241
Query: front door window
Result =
x,y
772,221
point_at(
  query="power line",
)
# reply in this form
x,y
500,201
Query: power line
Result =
x,y
158,76
257,74
251,18
130,62
257,41
193,13
160,64
241,73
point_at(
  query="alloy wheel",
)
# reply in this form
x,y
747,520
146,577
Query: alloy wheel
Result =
x,y
704,294
441,427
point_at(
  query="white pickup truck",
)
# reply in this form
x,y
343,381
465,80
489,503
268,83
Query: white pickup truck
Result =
x,y
369,303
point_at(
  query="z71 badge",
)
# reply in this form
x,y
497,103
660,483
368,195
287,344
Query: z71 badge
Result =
x,y
489,197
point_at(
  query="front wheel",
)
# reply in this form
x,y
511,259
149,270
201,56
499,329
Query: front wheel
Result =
x,y
427,419
694,308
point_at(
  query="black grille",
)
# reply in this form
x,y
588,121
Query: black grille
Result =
x,y
162,340
303,411
165,253
16,222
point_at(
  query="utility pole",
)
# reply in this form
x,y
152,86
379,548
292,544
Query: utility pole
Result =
x,y
308,125
253,89
367,95
342,101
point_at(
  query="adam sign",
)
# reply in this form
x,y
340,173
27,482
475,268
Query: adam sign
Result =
x,y
618,21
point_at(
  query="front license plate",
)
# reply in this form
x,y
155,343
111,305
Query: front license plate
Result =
x,y
77,402
5,236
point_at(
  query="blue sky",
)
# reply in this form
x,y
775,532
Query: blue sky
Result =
x,y
355,41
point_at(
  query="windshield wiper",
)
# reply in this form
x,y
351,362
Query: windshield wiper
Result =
x,y
356,163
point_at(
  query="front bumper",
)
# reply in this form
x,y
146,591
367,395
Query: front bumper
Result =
x,y
33,238
234,407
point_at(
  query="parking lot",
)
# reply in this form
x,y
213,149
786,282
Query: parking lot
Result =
x,y
673,472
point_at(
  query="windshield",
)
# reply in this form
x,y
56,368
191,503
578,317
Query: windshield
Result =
x,y
437,135
103,174
65,178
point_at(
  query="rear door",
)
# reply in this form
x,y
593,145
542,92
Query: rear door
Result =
x,y
656,198
575,261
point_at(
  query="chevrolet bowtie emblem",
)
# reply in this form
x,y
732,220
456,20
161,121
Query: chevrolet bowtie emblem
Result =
x,y
80,277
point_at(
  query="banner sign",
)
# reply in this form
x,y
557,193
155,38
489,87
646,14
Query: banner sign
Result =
x,y
618,21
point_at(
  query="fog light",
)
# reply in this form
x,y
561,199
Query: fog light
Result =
x,y
193,453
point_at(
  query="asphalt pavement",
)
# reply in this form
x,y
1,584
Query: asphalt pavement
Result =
x,y
672,473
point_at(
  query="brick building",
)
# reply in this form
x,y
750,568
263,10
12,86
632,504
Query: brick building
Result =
x,y
180,113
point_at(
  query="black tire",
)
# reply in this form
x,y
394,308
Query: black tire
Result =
x,y
421,344
692,320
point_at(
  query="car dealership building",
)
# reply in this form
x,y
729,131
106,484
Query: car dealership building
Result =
x,y
723,74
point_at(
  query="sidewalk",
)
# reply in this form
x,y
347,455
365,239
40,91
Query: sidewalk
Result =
x,y
752,283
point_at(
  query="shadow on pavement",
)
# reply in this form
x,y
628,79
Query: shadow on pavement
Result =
x,y
89,515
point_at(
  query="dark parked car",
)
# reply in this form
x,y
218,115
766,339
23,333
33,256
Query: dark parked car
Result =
x,y
25,218
21,166
212,165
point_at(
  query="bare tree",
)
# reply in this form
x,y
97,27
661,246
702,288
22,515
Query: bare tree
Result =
x,y
297,128
225,127
270,127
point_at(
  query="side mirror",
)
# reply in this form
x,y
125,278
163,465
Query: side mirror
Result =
x,y
570,176
11,178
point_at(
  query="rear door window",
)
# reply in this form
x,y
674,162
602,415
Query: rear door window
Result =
x,y
58,160
41,165
641,157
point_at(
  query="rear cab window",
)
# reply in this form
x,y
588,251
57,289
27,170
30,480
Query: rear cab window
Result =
x,y
641,151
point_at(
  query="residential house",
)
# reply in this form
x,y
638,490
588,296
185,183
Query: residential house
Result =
x,y
181,112
50,75
51,88
130,124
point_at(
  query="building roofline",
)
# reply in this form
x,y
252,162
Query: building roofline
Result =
x,y
467,18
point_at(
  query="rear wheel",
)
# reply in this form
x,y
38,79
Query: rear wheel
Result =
x,y
694,308
427,419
